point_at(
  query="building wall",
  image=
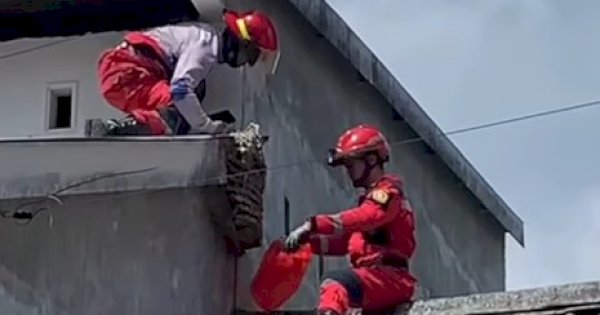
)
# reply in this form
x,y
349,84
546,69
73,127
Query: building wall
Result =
x,y
144,252
315,96
29,66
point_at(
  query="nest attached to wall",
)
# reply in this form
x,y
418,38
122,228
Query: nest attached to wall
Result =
x,y
245,185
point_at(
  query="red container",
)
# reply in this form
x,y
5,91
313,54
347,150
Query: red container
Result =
x,y
279,275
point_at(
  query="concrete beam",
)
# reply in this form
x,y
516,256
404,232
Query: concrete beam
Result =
x,y
38,167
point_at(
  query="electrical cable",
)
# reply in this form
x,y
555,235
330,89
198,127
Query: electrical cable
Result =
x,y
23,217
34,48
441,134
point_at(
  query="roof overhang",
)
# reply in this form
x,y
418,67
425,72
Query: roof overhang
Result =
x,y
35,168
53,18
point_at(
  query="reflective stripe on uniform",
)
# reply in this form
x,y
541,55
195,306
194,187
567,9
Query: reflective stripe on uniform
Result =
x,y
241,24
336,221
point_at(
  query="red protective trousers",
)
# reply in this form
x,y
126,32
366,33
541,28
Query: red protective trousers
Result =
x,y
135,84
383,287
379,237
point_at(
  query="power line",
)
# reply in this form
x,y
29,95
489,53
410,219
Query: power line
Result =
x,y
525,117
34,48
439,135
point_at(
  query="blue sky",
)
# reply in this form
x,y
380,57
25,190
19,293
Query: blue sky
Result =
x,y
472,62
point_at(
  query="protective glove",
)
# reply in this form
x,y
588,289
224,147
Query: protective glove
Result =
x,y
218,127
200,123
298,237
213,127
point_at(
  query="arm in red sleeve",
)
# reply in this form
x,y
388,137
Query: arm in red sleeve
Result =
x,y
380,207
332,245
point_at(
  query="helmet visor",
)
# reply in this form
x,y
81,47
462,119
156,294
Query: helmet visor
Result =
x,y
268,61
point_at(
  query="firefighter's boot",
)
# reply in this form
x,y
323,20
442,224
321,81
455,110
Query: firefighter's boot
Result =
x,y
127,126
113,127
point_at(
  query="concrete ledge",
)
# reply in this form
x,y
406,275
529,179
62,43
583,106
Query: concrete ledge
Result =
x,y
38,167
341,36
548,300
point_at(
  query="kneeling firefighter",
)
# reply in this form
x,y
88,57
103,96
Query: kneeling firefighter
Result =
x,y
378,234
153,75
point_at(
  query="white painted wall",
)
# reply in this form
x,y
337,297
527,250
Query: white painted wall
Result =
x,y
26,70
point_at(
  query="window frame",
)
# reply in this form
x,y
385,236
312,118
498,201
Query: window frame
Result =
x,y
71,86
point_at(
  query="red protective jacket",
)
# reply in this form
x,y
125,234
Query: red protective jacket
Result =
x,y
379,229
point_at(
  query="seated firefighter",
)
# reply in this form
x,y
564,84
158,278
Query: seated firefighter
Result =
x,y
154,75
378,234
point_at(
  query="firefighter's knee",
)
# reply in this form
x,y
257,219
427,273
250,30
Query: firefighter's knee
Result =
x,y
349,280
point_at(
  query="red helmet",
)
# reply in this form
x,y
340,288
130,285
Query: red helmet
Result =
x,y
357,142
256,27
253,26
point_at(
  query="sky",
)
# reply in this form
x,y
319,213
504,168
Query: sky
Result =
x,y
478,61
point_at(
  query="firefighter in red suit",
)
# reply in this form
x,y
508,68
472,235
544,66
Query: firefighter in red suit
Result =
x,y
378,234
154,75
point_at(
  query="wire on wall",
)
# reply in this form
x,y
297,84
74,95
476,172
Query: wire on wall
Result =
x,y
35,48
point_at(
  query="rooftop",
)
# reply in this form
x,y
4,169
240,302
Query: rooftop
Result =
x,y
568,299
19,19
572,299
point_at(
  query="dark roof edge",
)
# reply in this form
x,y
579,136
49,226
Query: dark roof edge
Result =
x,y
527,300
335,29
59,18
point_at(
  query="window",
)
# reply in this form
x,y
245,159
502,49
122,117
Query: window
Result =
x,y
60,106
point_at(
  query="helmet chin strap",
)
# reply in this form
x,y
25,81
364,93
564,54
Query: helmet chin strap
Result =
x,y
230,48
362,180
